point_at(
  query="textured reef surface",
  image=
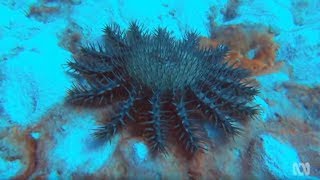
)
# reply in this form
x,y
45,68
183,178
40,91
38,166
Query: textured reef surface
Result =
x,y
68,75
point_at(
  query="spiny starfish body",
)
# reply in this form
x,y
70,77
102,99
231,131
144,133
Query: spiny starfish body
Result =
x,y
164,85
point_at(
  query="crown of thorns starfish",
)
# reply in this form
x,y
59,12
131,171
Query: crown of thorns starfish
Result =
x,y
165,86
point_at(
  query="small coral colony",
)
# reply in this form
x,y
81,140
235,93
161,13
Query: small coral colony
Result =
x,y
165,87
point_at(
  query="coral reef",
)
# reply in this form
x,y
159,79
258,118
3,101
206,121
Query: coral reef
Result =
x,y
304,11
251,46
42,12
41,137
71,38
22,144
45,10
165,86
305,98
231,10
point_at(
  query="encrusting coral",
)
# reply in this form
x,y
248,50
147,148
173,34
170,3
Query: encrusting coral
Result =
x,y
165,87
243,40
18,145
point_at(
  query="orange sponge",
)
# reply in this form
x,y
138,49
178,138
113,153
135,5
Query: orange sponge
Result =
x,y
243,40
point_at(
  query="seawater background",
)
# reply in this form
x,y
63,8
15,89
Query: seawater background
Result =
x,y
41,137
